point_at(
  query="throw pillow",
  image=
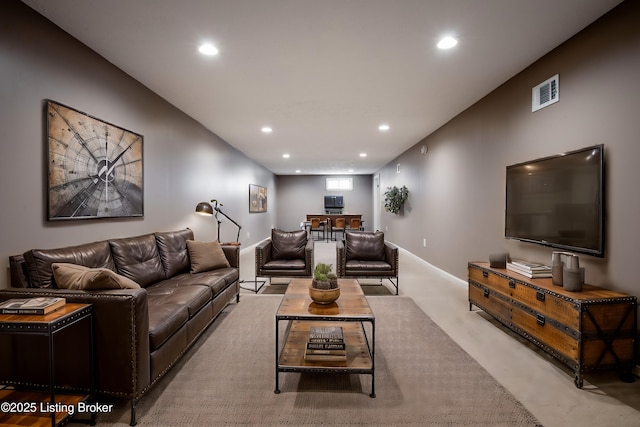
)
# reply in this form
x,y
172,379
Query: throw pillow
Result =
x,y
73,276
206,256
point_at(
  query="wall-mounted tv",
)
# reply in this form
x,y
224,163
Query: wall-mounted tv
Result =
x,y
558,201
335,202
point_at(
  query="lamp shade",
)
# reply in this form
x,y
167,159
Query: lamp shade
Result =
x,y
204,208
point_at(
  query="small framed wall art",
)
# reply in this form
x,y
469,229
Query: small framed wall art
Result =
x,y
95,168
257,198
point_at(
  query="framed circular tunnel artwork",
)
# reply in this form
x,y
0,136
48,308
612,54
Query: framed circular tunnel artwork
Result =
x,y
95,168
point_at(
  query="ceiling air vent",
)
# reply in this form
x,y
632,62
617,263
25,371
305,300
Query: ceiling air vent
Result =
x,y
546,93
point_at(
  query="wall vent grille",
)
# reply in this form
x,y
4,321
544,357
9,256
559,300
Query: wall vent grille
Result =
x,y
546,93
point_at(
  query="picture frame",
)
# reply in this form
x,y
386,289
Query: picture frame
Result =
x,y
95,168
257,198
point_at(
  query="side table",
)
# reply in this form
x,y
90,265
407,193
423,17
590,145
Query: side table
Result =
x,y
19,405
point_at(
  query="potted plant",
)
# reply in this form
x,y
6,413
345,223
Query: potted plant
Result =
x,y
394,198
324,287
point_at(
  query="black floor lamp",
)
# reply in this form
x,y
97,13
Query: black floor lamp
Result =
x,y
205,208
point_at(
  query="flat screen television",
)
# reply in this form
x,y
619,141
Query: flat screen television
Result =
x,y
558,201
336,202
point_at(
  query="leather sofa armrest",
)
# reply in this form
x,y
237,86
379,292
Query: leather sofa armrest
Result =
x,y
341,258
232,252
308,257
19,274
263,254
121,335
391,256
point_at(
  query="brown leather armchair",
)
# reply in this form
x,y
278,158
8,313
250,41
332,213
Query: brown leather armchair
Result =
x,y
367,255
285,254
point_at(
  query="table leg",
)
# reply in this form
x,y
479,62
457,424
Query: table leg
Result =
x,y
373,359
277,389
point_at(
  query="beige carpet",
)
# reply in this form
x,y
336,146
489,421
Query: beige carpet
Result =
x,y
422,378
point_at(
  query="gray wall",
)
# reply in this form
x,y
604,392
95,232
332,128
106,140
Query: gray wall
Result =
x,y
457,190
299,195
183,162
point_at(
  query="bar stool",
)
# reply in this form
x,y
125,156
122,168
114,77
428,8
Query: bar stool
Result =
x,y
355,224
340,226
317,226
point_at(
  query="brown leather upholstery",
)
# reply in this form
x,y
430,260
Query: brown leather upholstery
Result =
x,y
367,255
288,244
139,333
38,261
286,254
138,259
172,247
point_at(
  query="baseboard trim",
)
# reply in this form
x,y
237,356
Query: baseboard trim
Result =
x,y
428,264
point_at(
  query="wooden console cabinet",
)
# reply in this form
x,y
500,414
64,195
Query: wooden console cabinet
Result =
x,y
589,330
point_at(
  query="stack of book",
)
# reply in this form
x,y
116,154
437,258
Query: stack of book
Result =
x,y
325,344
529,269
39,305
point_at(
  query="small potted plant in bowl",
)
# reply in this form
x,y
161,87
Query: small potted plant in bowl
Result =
x,y
324,287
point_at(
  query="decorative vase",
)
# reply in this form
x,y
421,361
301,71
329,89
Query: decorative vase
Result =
x,y
324,296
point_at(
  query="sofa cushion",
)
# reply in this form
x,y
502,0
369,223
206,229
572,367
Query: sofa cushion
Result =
x,y
365,246
172,247
138,259
288,244
166,317
215,280
38,261
73,276
206,256
172,291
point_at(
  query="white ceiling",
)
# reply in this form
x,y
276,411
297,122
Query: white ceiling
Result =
x,y
322,73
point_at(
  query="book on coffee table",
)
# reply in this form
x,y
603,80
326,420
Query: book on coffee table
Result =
x,y
325,344
38,305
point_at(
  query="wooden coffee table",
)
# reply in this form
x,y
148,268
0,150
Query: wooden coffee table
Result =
x,y
351,310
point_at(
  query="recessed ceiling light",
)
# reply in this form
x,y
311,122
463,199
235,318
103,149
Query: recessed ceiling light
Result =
x,y
208,49
447,42
383,127
266,129
350,170
363,154
298,171
286,155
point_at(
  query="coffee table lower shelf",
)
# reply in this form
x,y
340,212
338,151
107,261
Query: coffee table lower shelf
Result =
x,y
360,357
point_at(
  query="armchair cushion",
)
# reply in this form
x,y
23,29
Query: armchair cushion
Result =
x,y
73,276
365,246
288,244
206,256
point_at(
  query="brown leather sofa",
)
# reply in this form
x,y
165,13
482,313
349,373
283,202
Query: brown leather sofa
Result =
x,y
139,334
367,255
285,254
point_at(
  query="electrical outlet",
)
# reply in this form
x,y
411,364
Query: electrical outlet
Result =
x,y
386,228
424,243
248,235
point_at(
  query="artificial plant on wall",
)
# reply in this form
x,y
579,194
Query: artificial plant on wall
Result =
x,y
394,198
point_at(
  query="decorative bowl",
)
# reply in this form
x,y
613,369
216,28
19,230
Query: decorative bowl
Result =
x,y
324,296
